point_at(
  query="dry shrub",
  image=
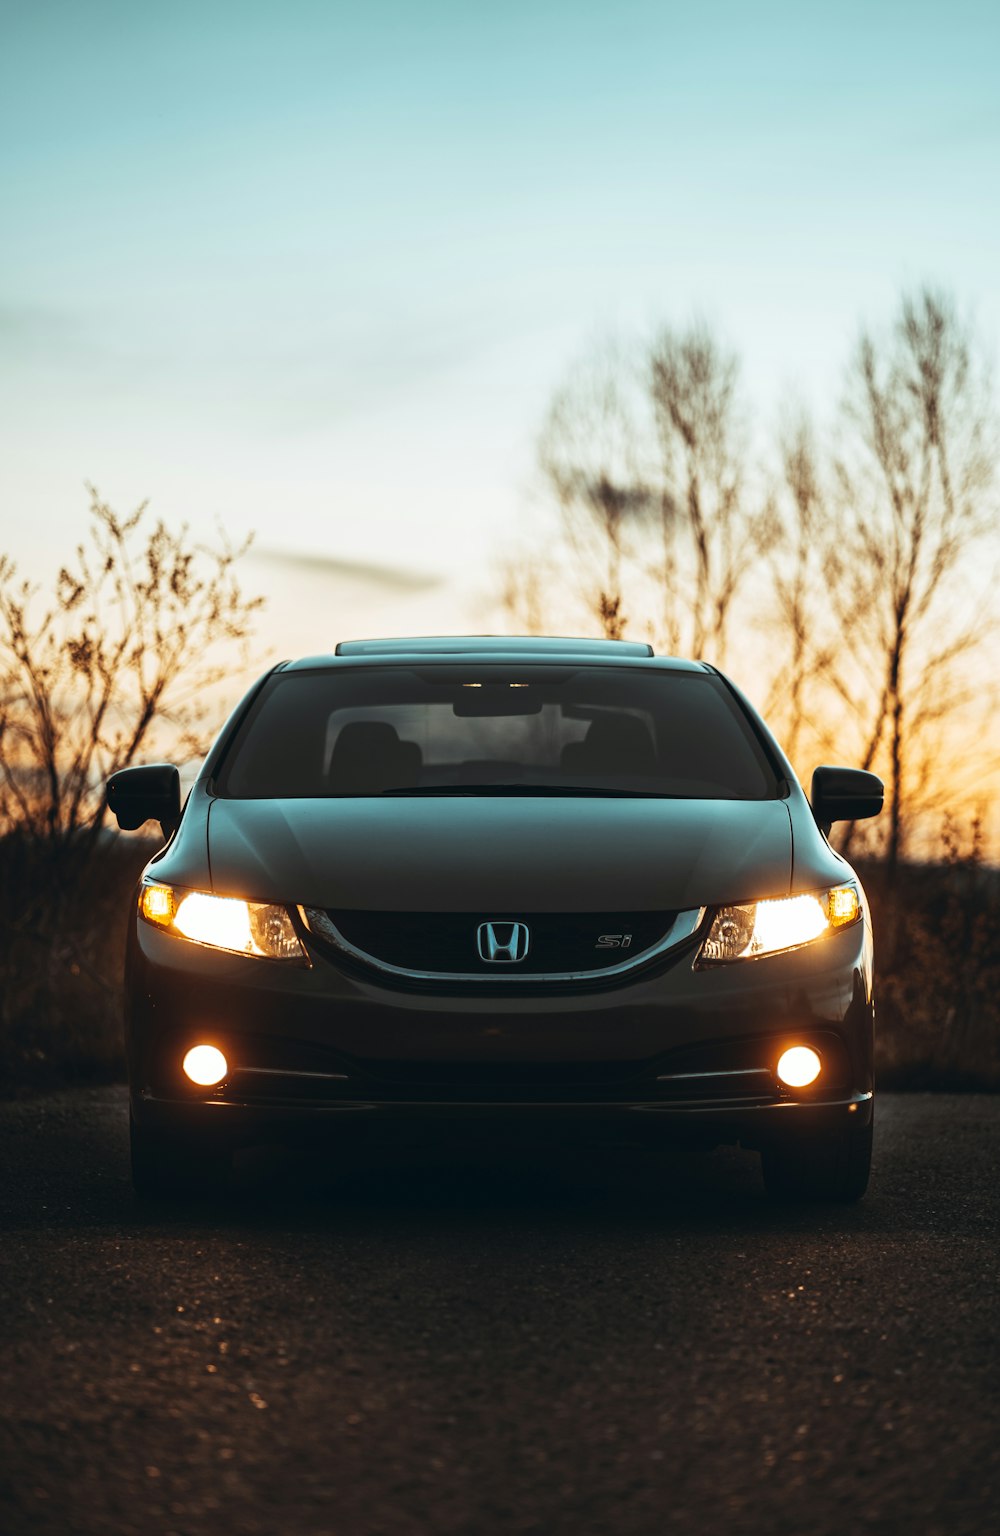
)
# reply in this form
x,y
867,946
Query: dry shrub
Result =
x,y
63,923
117,664
937,945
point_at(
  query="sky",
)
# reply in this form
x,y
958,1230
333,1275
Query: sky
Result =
x,y
315,269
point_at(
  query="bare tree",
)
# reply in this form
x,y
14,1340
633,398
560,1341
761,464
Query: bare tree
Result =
x,y
590,455
795,611
915,490
709,534
125,646
878,594
521,592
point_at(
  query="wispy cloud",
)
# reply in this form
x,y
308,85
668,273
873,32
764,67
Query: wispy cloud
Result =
x,y
30,327
359,572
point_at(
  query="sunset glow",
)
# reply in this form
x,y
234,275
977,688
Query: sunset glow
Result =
x,y
314,274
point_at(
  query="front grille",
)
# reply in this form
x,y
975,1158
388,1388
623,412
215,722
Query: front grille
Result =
x,y
446,942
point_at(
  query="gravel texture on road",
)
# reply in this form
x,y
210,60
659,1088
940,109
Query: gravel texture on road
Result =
x,y
485,1338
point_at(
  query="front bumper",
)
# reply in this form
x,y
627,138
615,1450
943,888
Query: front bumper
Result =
x,y
229,1123
678,1050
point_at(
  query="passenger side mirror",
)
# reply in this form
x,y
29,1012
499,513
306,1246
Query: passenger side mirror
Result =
x,y
138,795
845,794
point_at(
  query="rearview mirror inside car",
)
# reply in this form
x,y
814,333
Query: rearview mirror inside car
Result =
x,y
490,699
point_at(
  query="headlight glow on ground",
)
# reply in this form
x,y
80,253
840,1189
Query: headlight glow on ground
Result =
x,y
205,1065
799,1066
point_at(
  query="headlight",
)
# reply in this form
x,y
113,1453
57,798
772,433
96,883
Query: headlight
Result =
x,y
222,922
766,927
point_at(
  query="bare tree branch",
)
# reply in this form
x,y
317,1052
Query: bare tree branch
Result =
x,y
126,644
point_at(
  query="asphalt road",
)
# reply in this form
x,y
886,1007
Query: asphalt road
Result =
x,y
476,1342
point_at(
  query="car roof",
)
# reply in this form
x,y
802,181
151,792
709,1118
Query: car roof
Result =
x,y
475,645
500,648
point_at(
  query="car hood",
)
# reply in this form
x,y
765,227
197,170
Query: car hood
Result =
x,y
500,854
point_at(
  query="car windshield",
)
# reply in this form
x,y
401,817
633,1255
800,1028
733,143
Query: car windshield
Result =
x,y
496,730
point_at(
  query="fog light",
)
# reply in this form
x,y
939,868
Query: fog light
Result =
x,y
799,1067
205,1065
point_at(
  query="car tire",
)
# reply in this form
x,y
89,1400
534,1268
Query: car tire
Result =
x,y
165,1167
835,1166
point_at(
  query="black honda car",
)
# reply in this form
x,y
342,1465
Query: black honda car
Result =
x,y
563,882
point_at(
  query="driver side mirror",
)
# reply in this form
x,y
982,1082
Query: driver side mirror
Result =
x,y
138,795
845,794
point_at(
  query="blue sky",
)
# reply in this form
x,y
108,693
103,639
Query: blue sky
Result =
x,y
315,269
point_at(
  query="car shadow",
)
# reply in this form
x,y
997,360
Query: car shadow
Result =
x,y
67,1167
465,1184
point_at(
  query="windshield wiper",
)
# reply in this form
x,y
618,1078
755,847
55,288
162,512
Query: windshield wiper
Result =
x,y
552,790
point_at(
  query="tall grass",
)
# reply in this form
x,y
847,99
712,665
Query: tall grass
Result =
x,y
937,961
63,921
